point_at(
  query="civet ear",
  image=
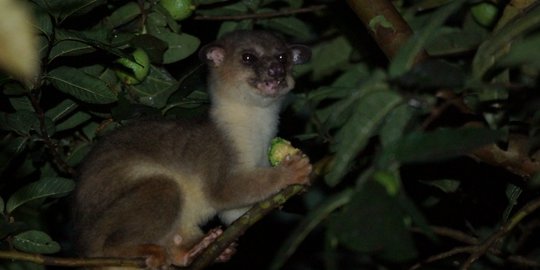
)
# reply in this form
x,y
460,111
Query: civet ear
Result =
x,y
300,53
212,54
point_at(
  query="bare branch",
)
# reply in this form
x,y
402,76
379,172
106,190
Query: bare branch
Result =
x,y
265,15
238,228
70,262
476,249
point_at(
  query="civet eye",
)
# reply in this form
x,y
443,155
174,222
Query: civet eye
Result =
x,y
249,58
282,58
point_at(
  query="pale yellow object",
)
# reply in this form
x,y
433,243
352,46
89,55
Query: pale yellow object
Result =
x,y
19,55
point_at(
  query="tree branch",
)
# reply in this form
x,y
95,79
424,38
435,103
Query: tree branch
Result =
x,y
240,226
384,23
516,159
206,258
70,262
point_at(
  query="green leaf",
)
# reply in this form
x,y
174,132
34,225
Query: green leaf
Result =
x,y
49,127
61,9
46,187
492,49
156,20
43,22
524,51
180,46
76,119
390,180
35,242
81,85
336,115
124,14
42,46
21,103
441,144
394,125
374,223
15,89
404,59
61,110
445,185
353,75
330,56
355,134
10,149
2,205
71,43
20,122
91,130
153,46
156,89
78,153
452,40
69,48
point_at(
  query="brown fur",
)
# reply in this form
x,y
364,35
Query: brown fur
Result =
x,y
145,189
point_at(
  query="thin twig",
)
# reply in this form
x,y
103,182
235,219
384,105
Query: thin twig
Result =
x,y
450,100
264,15
522,261
444,255
51,145
450,233
476,249
70,262
502,232
238,228
526,232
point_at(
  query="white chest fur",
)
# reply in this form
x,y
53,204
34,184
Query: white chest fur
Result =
x,y
250,128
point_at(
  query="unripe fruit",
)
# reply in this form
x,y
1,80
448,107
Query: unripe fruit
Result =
x,y
484,13
279,149
136,71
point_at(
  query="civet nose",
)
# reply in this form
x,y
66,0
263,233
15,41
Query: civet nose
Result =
x,y
276,70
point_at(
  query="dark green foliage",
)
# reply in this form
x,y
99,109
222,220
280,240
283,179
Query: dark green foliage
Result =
x,y
389,133
374,223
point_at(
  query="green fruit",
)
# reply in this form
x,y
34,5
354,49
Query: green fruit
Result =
x,y
136,71
484,13
179,9
389,181
279,149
